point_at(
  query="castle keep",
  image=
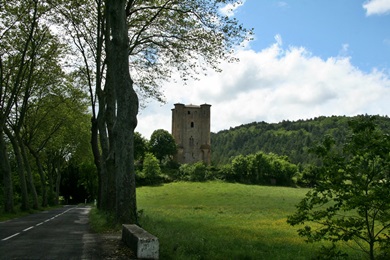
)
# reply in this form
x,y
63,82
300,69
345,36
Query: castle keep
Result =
x,y
191,131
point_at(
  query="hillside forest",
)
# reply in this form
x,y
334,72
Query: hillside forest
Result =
x,y
257,153
287,138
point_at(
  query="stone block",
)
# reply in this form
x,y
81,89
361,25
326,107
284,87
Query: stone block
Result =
x,y
144,244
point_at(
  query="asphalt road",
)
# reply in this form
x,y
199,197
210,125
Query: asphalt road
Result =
x,y
62,233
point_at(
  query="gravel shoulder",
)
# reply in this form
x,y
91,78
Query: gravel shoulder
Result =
x,y
112,247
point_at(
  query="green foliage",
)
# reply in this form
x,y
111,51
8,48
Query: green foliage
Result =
x,y
160,38
151,167
261,168
193,172
329,253
177,36
292,139
151,173
226,173
351,198
162,144
101,222
45,108
140,146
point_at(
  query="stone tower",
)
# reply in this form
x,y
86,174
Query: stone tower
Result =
x,y
191,131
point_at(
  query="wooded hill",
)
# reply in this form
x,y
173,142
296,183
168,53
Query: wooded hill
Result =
x,y
290,138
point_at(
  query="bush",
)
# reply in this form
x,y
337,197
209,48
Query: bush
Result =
x,y
193,172
261,168
226,172
151,167
151,171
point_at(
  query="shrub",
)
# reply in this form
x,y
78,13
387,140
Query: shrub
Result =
x,y
261,168
151,171
151,166
193,172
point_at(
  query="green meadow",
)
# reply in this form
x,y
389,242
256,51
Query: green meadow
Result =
x,y
218,220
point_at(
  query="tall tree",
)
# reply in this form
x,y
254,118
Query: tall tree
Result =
x,y
159,38
86,23
351,199
42,72
162,144
140,146
118,76
33,88
19,25
49,131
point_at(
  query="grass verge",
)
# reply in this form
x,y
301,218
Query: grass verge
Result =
x,y
19,213
217,220
101,222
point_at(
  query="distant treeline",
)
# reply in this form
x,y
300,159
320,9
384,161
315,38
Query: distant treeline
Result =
x,y
287,138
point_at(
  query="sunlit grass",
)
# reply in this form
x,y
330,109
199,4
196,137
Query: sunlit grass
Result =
x,y
217,220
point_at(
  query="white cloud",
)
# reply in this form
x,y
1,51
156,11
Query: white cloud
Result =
x,y
278,39
377,7
276,84
230,9
282,4
344,50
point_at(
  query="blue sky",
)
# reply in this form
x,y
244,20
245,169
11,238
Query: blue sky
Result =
x,y
309,58
325,28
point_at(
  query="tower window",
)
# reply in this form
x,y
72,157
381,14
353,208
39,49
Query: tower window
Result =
x,y
192,124
189,112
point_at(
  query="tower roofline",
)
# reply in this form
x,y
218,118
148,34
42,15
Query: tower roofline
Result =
x,y
191,105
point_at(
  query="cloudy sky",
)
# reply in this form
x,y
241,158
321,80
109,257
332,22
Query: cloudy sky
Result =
x,y
309,58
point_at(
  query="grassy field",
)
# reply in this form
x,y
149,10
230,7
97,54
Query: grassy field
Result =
x,y
217,220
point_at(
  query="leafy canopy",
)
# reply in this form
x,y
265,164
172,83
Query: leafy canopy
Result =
x,y
174,36
162,144
351,200
166,38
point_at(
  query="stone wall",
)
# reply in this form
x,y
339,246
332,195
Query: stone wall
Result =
x,y
191,131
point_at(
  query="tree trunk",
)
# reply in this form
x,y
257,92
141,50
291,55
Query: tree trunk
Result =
x,y
127,109
20,168
50,190
97,158
110,119
54,173
7,178
43,180
30,179
41,175
106,166
97,120
108,140
58,182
